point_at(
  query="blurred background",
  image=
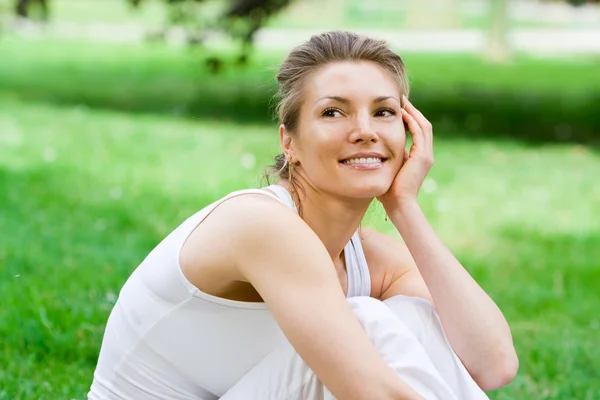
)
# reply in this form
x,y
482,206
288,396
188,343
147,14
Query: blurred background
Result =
x,y
119,119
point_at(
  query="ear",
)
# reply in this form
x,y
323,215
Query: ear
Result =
x,y
286,141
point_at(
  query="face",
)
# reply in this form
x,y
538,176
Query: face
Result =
x,y
351,138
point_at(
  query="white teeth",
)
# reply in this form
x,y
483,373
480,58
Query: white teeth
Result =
x,y
370,160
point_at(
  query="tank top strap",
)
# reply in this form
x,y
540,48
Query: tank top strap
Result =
x,y
359,278
194,220
283,195
187,227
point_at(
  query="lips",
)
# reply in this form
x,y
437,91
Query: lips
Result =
x,y
364,161
364,158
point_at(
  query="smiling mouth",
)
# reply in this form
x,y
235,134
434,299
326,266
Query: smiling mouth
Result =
x,y
363,161
368,163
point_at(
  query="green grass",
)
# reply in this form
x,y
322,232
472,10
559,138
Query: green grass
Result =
x,y
96,168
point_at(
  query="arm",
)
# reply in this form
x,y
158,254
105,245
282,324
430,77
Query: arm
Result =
x,y
288,265
475,326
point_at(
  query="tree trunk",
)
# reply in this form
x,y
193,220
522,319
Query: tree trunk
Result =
x,y
433,14
498,49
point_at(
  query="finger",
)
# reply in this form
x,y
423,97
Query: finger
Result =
x,y
422,121
415,131
408,106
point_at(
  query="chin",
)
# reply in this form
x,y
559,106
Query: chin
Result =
x,y
368,190
360,182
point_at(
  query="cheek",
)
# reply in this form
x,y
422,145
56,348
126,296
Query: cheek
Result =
x,y
333,130
401,139
317,146
323,139
396,139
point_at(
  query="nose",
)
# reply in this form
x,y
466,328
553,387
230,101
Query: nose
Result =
x,y
363,129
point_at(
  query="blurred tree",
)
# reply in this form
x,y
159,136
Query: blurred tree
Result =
x,y
243,18
23,8
240,19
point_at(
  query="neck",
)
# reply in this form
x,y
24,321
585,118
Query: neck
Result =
x,y
332,218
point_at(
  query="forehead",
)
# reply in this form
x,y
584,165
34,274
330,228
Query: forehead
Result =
x,y
350,79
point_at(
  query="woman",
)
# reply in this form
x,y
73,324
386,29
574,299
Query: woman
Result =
x,y
276,293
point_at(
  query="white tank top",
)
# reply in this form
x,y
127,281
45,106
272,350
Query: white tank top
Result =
x,y
165,339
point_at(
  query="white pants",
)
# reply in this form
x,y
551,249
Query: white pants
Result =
x,y
407,332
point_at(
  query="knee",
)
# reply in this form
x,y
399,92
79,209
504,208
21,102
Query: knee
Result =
x,y
381,323
364,302
369,310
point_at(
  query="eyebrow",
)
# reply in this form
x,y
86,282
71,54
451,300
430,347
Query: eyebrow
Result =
x,y
345,100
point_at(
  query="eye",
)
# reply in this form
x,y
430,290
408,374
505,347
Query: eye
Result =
x,y
385,112
332,113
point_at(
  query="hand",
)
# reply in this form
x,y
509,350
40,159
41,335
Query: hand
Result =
x,y
417,162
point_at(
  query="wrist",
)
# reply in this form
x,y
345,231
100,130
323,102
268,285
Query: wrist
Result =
x,y
407,217
402,207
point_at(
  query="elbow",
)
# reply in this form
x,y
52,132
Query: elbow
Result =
x,y
498,374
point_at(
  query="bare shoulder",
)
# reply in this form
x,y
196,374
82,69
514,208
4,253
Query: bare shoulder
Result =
x,y
230,236
392,268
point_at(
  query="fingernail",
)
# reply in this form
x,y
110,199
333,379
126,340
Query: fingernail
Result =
x,y
404,100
